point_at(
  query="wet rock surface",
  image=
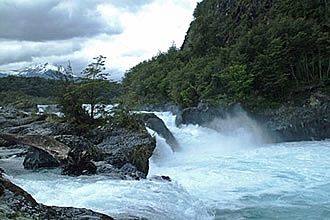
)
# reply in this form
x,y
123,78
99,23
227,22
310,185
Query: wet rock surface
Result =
x,y
155,123
287,123
36,159
292,123
206,113
121,146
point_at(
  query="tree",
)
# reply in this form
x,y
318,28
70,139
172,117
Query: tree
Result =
x,y
94,83
95,70
88,91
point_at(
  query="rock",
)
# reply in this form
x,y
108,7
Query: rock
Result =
x,y
131,171
42,127
74,141
5,143
297,123
81,156
126,172
79,162
206,113
76,151
36,159
155,123
161,178
121,146
287,123
14,200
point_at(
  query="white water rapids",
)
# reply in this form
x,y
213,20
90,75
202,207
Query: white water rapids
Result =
x,y
229,174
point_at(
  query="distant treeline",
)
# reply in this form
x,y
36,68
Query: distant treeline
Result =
x,y
26,92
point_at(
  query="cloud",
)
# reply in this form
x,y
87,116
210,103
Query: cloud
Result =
x,y
41,20
55,31
13,51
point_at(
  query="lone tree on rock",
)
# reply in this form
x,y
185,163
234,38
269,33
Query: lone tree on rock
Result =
x,y
87,91
95,83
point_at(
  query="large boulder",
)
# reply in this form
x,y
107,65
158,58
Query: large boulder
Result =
x,y
36,158
122,146
155,123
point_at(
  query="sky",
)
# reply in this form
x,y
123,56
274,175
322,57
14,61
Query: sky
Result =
x,y
55,31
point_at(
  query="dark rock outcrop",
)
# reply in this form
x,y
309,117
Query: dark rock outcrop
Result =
x,y
205,113
155,123
121,146
81,156
36,158
15,203
294,123
287,123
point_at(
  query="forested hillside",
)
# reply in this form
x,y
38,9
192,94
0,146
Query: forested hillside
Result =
x,y
257,52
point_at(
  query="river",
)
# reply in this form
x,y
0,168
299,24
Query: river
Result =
x,y
229,174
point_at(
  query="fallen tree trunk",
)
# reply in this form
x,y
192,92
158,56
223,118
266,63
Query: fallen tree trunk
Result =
x,y
49,145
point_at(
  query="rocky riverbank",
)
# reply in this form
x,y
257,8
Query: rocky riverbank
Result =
x,y
119,149
113,149
310,121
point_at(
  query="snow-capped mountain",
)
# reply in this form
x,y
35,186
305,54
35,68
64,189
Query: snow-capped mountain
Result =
x,y
46,70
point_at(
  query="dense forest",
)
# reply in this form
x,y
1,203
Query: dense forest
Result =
x,y
262,52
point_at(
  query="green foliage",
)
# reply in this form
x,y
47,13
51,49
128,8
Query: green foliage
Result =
x,y
72,102
240,50
95,84
238,83
23,101
95,70
32,86
123,118
92,90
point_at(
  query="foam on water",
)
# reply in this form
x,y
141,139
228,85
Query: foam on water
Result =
x,y
243,178
153,199
216,175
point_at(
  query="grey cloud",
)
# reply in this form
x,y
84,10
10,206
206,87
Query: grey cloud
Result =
x,y
13,51
40,20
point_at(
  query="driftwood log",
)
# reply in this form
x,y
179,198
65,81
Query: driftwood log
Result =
x,y
49,145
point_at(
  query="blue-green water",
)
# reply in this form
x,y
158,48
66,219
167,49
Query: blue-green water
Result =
x,y
216,175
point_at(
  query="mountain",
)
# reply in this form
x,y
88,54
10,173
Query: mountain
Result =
x,y
263,52
46,70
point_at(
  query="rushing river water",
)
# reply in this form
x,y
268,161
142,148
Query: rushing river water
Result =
x,y
231,174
